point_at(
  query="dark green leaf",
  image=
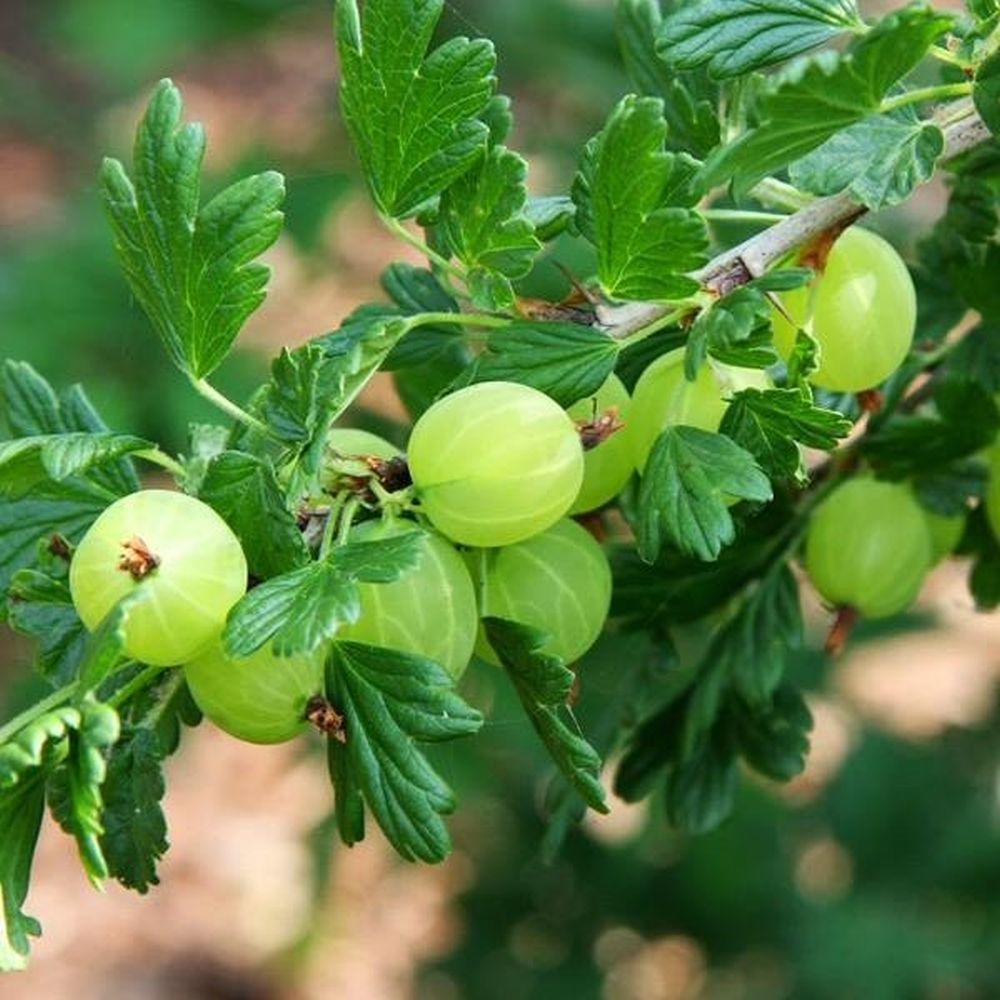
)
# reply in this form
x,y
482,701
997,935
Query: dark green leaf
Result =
x,y
298,611
688,102
977,357
550,216
690,477
543,684
735,330
774,740
986,92
701,790
193,270
135,831
968,420
71,507
244,491
879,160
389,701
414,118
818,97
771,424
41,606
21,812
482,218
27,461
635,204
567,361
733,37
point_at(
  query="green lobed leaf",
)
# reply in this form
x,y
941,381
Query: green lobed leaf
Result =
x,y
774,740
42,607
74,789
689,100
300,610
244,491
967,421
689,478
39,742
734,37
543,684
818,97
193,270
986,92
21,812
72,506
567,361
550,216
701,789
635,203
679,589
482,218
771,423
735,330
135,831
879,160
25,462
413,117
390,701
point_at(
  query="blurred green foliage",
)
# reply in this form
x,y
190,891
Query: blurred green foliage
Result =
x,y
912,911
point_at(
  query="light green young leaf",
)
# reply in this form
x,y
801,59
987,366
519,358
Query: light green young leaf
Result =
x,y
391,701
689,478
635,204
74,791
819,97
483,221
550,216
566,361
192,270
880,160
413,117
543,684
734,37
21,812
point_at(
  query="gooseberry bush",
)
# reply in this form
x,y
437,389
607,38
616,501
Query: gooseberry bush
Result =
x,y
703,418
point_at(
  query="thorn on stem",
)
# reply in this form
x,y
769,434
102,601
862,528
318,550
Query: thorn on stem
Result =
x,y
840,631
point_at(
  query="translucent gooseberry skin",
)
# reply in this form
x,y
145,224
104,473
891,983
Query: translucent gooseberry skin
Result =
x,y
495,463
559,581
201,574
430,610
862,311
608,467
261,698
350,441
868,547
664,398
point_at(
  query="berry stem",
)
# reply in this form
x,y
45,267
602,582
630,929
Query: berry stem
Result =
x,y
140,682
162,459
921,94
456,319
740,215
